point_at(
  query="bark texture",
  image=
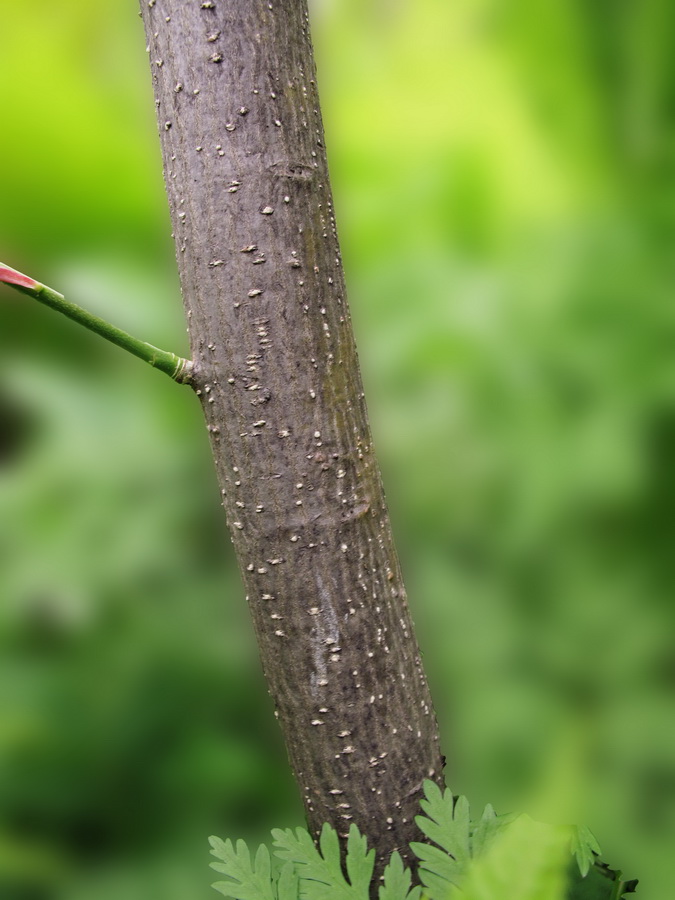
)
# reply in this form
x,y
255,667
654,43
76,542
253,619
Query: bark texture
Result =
x,y
277,374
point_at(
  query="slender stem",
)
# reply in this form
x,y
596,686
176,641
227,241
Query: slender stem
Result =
x,y
178,368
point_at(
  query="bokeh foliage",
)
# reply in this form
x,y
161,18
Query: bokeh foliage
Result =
x,y
503,172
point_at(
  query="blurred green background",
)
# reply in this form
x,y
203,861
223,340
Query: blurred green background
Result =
x,y
503,172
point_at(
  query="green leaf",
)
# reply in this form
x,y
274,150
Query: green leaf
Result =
x,y
360,861
601,883
528,861
247,881
487,828
396,882
320,872
439,873
288,885
446,823
584,847
485,860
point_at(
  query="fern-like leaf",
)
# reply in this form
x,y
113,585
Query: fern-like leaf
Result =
x,y
288,885
527,862
246,880
360,862
601,883
320,871
584,847
446,823
484,831
487,828
483,860
439,873
397,880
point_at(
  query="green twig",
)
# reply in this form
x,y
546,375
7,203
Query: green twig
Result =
x,y
178,368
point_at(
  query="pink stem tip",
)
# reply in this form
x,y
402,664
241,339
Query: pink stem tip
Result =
x,y
11,276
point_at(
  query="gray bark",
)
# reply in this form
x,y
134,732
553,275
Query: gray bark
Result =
x,y
277,374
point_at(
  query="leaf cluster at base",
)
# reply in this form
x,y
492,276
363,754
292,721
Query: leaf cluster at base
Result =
x,y
495,858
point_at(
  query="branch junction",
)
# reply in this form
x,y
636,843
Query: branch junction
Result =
x,y
175,366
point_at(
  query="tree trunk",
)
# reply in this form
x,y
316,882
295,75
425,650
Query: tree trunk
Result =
x,y
277,374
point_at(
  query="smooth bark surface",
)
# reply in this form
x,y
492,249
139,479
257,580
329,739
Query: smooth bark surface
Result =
x,y
278,378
